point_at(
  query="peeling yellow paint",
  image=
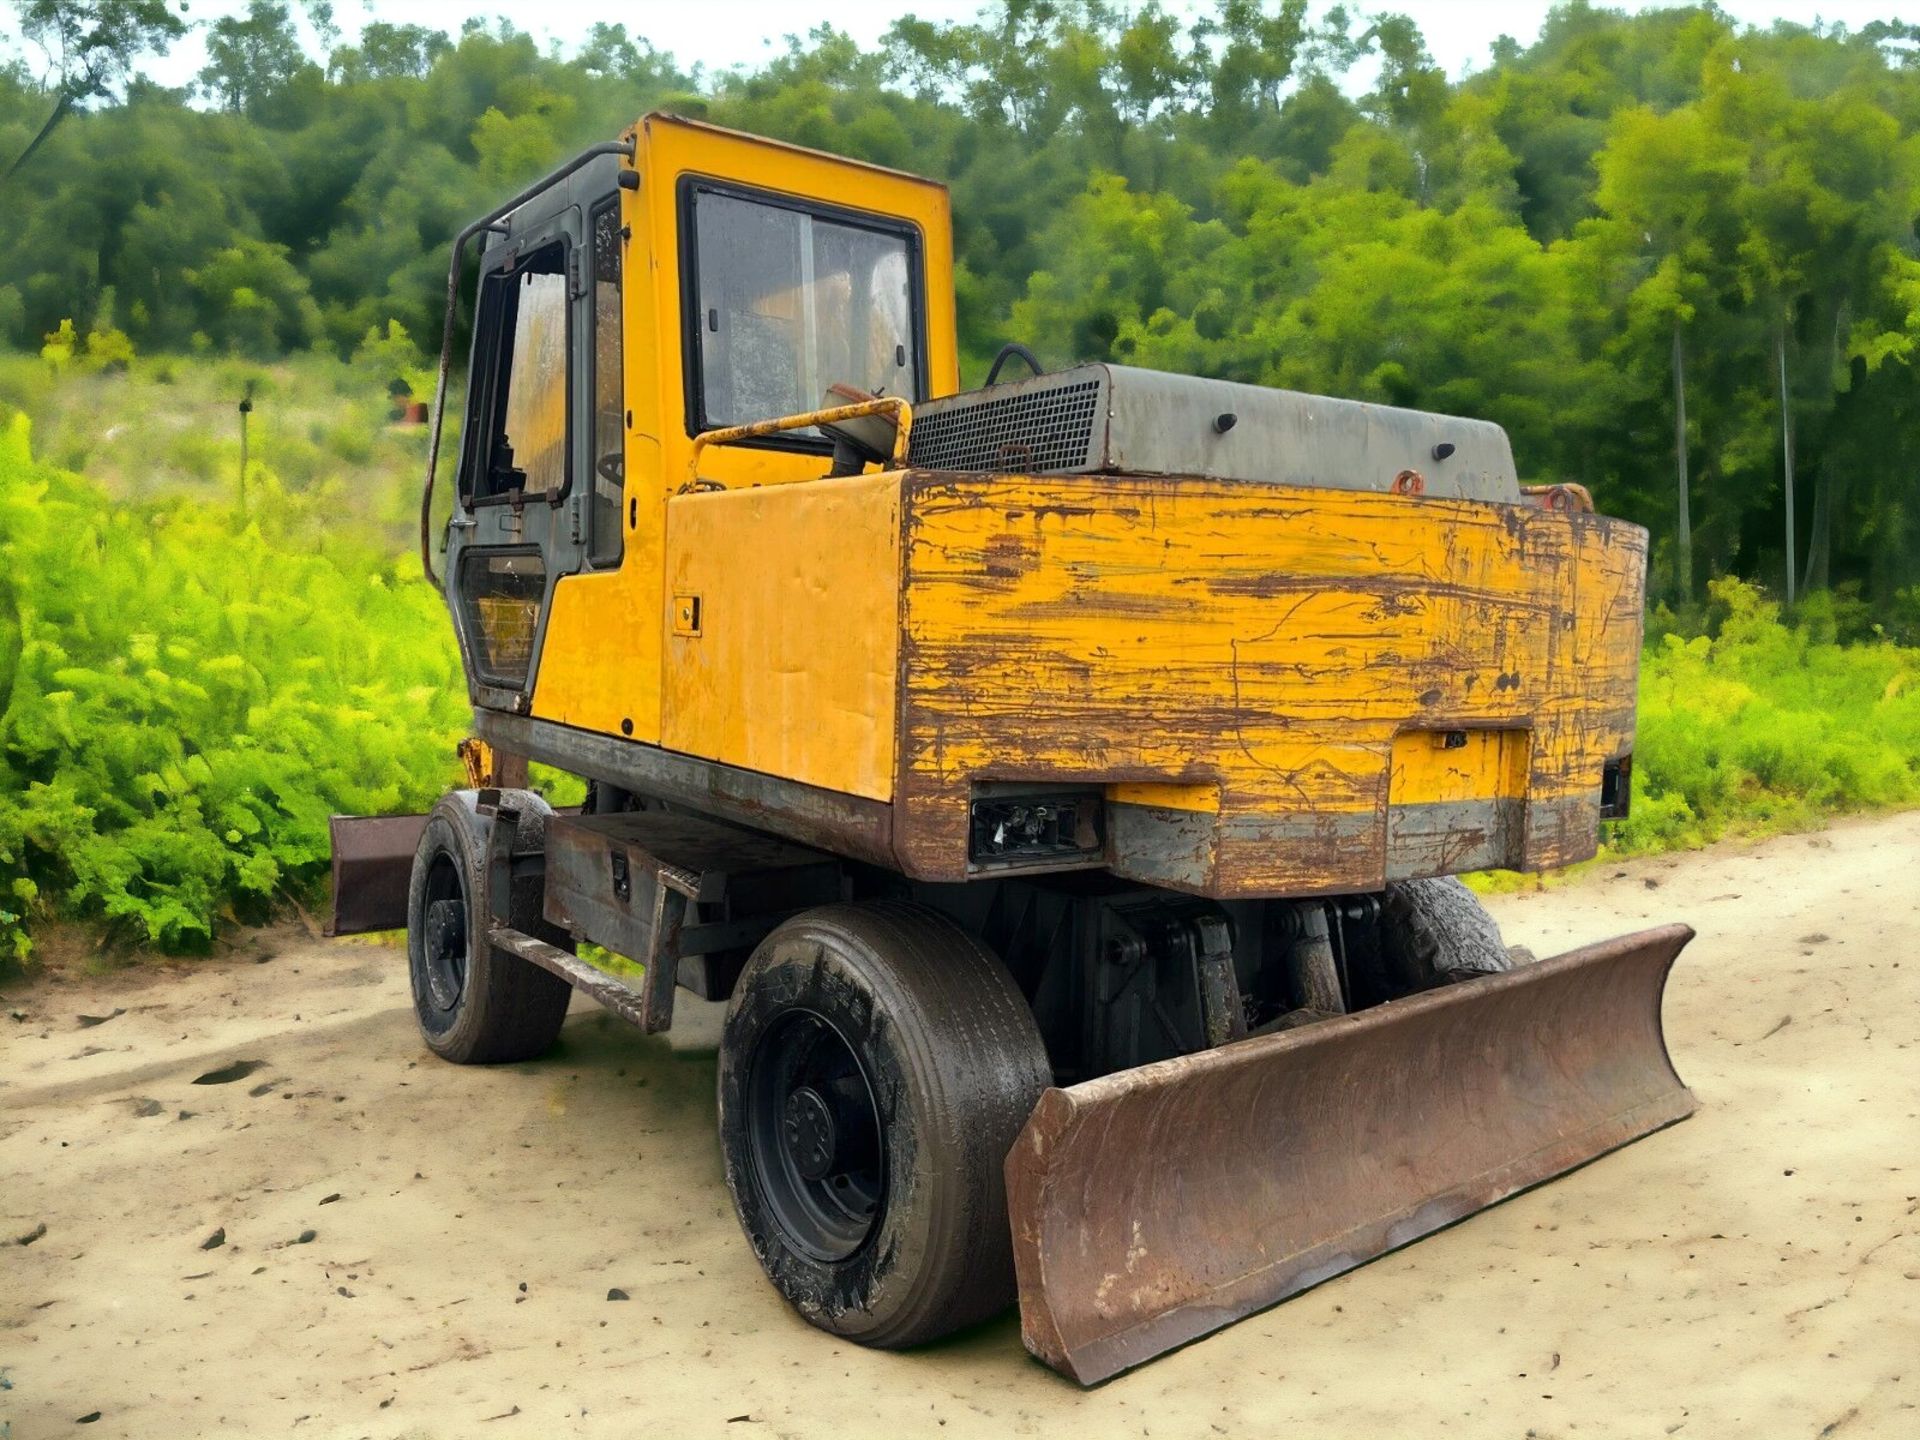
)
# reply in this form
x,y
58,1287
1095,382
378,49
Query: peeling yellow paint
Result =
x,y
1203,799
1269,642
1481,765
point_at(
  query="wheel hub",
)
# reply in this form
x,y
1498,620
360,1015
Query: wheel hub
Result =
x,y
446,946
818,1157
809,1131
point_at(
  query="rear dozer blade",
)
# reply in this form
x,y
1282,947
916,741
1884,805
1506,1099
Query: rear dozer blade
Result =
x,y
1156,1205
372,867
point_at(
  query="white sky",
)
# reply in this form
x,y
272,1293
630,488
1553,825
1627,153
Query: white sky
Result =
x,y
724,33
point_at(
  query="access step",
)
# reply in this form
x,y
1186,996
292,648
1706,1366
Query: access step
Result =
x,y
673,893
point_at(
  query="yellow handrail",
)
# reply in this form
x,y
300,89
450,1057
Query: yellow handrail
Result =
x,y
902,419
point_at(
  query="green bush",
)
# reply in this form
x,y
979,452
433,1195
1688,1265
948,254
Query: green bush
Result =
x,y
108,349
1765,726
187,693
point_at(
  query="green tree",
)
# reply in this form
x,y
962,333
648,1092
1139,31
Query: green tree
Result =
x,y
1256,55
388,52
255,300
91,47
1668,182
253,57
1823,194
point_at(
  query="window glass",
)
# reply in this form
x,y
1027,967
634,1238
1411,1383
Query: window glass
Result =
x,y
608,446
790,303
528,449
503,593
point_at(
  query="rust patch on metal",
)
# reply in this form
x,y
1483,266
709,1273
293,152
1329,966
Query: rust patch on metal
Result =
x,y
1277,642
805,814
1011,555
1157,1205
1564,496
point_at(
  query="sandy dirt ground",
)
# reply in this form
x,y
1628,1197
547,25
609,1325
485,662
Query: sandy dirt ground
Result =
x,y
412,1249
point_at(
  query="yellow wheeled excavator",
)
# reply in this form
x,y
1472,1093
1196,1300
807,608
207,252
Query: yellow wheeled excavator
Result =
x,y
1062,781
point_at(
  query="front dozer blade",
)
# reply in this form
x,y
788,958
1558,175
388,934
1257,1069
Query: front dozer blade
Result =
x,y
1156,1205
372,867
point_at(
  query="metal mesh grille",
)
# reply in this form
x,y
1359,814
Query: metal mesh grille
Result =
x,y
1029,433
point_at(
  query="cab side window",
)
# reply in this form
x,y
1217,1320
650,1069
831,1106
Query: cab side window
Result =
x,y
607,443
522,386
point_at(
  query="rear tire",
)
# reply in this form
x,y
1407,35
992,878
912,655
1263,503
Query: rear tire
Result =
x,y
877,1064
1436,932
476,1005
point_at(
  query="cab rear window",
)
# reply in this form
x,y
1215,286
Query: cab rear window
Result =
x,y
785,301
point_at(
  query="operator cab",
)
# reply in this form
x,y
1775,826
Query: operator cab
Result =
x,y
681,281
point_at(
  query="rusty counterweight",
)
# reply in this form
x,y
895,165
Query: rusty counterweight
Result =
x,y
1156,1205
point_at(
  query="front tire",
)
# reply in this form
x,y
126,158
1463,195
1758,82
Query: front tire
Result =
x,y
476,1005
877,1064
1436,932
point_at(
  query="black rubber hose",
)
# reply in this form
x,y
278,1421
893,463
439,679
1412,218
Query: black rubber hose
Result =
x,y
1007,352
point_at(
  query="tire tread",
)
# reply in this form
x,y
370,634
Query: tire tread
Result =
x,y
968,1043
511,1009
1438,932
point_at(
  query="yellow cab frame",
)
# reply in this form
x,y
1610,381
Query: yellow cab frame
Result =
x,y
601,643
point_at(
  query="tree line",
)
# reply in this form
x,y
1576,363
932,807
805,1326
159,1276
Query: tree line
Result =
x,y
1673,255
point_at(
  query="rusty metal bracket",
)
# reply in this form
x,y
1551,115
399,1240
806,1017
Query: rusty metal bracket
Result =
x,y
1566,496
372,867
671,890
617,996
634,883
500,841
1222,1014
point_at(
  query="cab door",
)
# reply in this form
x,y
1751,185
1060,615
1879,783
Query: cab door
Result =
x,y
516,527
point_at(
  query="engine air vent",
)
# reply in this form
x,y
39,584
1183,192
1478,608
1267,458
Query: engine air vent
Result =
x,y
1099,419
1030,428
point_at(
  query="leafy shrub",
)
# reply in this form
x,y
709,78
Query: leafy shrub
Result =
x,y
187,693
60,346
108,349
389,359
26,383
1765,726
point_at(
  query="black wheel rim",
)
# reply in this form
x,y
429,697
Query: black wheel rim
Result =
x,y
444,941
814,1135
